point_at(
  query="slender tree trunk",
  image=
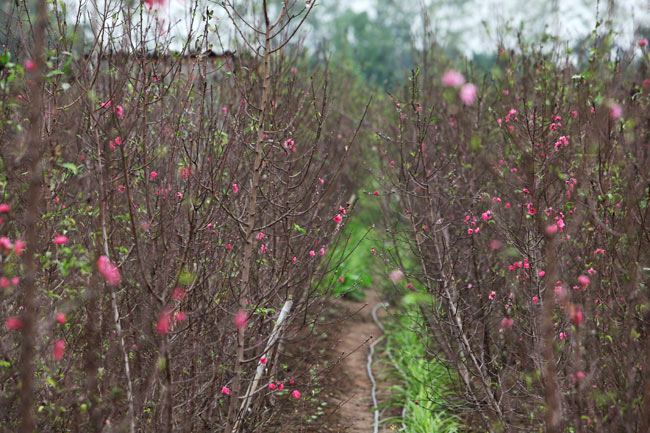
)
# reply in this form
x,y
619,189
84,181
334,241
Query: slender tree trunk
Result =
x,y
250,228
31,219
553,415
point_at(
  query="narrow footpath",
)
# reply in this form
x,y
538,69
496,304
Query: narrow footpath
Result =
x,y
356,335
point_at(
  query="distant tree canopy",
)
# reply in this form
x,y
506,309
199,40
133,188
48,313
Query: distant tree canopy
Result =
x,y
380,41
377,45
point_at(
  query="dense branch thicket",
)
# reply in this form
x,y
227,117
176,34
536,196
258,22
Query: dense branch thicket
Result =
x,y
182,199
524,214
166,218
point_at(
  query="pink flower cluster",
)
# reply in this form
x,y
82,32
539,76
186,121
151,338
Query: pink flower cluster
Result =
x,y
109,271
563,141
467,92
289,144
118,109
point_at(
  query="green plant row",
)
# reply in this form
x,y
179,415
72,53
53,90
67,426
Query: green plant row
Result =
x,y
424,384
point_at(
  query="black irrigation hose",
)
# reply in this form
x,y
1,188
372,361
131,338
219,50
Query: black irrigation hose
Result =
x,y
373,392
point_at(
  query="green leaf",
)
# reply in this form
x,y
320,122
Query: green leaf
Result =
x,y
475,143
186,278
5,58
415,298
70,167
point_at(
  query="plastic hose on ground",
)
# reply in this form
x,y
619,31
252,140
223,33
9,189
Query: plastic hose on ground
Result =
x,y
373,392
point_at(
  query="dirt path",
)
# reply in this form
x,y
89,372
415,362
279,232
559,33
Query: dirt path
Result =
x,y
356,335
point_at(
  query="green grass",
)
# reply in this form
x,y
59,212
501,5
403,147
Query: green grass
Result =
x,y
355,251
355,270
423,383
419,376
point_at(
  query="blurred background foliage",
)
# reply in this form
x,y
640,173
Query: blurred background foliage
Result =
x,y
382,40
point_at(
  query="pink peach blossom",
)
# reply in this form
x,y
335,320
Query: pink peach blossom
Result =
x,y
551,230
396,276
13,323
60,240
6,243
164,322
616,111
178,294
506,323
468,93
584,280
452,78
185,172
241,318
59,347
109,271
577,317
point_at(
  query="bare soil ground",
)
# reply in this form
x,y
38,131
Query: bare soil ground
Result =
x,y
353,342
349,330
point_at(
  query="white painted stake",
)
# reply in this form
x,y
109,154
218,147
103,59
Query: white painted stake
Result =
x,y
260,367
